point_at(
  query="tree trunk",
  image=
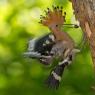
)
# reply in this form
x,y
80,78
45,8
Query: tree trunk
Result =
x,y
84,11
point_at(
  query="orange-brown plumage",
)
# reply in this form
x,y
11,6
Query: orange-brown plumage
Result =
x,y
53,17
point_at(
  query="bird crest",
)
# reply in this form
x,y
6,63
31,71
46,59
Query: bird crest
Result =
x,y
53,17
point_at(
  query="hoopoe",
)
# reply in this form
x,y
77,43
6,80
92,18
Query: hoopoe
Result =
x,y
57,44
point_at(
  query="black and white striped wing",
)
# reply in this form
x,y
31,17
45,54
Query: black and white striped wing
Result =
x,y
44,44
39,48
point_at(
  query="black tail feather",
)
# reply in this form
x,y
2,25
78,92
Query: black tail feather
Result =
x,y
51,82
54,78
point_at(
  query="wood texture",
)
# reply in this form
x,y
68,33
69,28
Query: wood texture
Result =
x,y
85,13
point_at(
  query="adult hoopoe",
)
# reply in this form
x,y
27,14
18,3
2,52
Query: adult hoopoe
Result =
x,y
57,44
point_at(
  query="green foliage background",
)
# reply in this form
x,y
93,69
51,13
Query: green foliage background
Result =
x,y
19,76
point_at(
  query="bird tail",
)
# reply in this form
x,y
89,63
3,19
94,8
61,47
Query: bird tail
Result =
x,y
55,76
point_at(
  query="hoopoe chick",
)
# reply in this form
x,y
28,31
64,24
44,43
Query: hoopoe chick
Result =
x,y
64,46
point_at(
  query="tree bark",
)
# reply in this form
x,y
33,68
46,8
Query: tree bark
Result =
x,y
84,11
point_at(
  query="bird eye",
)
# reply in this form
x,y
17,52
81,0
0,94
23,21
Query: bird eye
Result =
x,y
56,25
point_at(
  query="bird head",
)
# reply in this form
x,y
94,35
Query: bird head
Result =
x,y
54,18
